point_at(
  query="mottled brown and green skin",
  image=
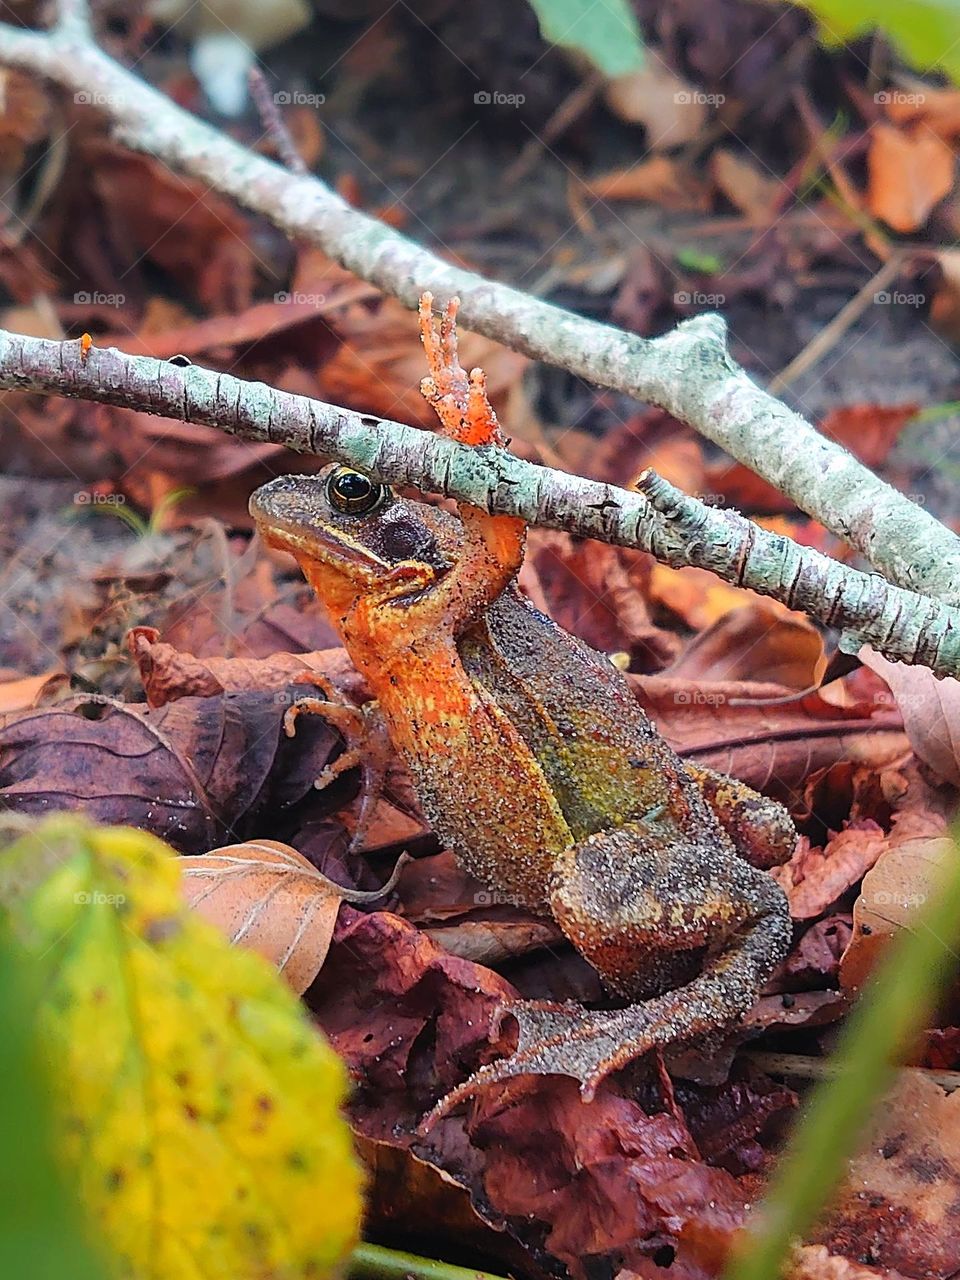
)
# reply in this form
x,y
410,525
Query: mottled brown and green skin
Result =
x,y
539,769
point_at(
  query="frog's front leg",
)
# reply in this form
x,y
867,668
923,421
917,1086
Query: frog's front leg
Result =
x,y
366,745
645,910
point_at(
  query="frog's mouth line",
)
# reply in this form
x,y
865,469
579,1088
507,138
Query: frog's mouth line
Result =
x,y
320,544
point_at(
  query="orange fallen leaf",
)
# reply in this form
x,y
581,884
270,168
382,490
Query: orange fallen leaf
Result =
x,y
745,186
909,172
939,109
815,878
268,897
18,695
659,180
697,596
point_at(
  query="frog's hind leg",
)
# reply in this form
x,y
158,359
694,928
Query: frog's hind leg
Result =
x,y
761,829
565,1039
366,746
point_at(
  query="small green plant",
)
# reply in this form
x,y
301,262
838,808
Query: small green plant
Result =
x,y
142,527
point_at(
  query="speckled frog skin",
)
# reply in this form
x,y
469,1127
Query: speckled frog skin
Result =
x,y
534,762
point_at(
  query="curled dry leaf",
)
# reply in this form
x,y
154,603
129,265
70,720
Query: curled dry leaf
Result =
x,y
168,673
762,641
813,879
270,899
930,710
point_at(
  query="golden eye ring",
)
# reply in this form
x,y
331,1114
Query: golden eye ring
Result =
x,y
354,494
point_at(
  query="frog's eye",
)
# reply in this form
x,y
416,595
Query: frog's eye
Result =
x,y
352,493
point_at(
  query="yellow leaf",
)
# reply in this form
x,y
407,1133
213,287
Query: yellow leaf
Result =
x,y
198,1108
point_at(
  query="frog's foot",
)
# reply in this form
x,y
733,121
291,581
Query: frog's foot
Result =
x,y
458,398
366,746
563,1039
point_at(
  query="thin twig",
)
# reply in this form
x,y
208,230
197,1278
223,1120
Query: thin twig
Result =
x,y
838,326
679,530
570,109
273,122
689,372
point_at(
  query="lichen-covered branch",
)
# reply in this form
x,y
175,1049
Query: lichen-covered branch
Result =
x,y
680,530
689,371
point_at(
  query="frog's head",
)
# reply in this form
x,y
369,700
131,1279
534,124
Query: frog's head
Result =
x,y
347,531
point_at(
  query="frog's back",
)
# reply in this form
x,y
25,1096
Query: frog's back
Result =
x,y
599,751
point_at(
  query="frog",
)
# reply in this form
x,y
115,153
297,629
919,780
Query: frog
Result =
x,y
535,763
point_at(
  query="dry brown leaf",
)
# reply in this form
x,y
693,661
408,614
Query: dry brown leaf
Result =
x,y
909,172
168,673
898,1205
762,641
890,896
930,710
267,897
745,186
670,109
815,878
659,180
18,695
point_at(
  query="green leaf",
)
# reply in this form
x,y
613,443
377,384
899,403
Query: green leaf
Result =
x,y
924,31
606,31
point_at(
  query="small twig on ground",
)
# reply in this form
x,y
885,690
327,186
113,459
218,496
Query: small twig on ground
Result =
x,y
688,372
679,530
572,107
274,123
832,332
